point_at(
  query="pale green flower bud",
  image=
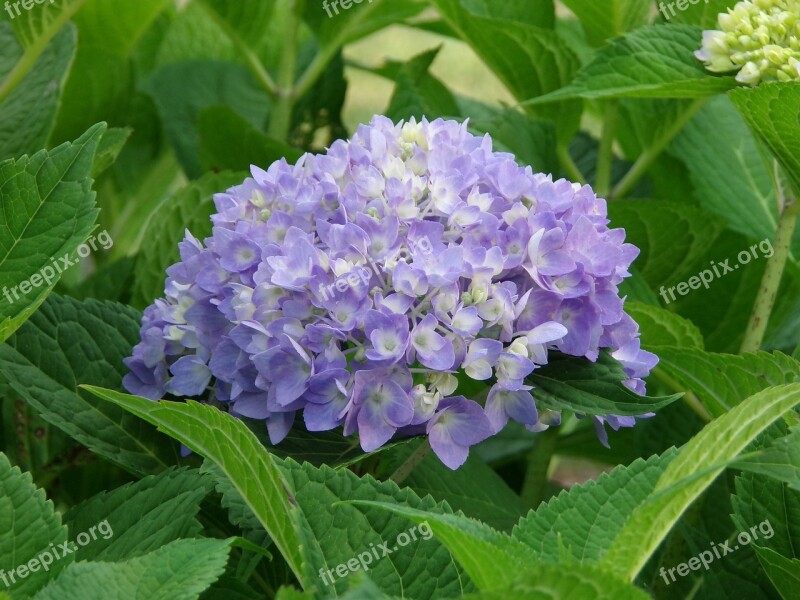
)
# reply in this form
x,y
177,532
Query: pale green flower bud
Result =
x,y
758,38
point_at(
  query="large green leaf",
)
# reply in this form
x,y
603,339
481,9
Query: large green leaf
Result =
x,y
418,94
140,517
48,210
67,343
717,142
771,110
691,472
418,568
474,488
491,559
189,208
28,113
180,570
604,20
228,443
590,388
673,239
783,572
229,142
549,582
529,60
211,83
101,83
651,62
583,522
661,327
720,381
28,525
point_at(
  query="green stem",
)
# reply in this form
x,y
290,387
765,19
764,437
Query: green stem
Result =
x,y
646,159
771,280
605,153
280,119
569,166
329,50
411,463
688,395
33,52
539,459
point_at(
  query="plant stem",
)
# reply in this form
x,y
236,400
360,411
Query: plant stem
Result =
x,y
280,119
569,166
605,153
411,463
771,280
647,157
539,459
329,50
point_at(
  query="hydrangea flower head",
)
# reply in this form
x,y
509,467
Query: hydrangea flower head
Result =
x,y
758,38
368,286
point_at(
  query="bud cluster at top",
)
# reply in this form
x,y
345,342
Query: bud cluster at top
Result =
x,y
758,38
372,286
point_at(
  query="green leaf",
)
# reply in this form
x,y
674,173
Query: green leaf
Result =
x,y
651,62
190,208
243,21
582,522
590,388
604,20
550,582
140,517
66,343
182,90
101,84
228,443
418,94
720,381
673,239
180,570
339,532
229,143
691,472
540,13
717,141
48,210
474,488
28,525
29,111
779,460
491,559
109,148
784,573
771,112
661,327
528,60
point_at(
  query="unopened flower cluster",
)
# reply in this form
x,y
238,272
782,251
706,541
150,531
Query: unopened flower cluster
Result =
x,y
758,38
365,286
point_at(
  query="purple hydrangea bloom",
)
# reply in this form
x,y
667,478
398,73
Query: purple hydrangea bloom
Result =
x,y
364,286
